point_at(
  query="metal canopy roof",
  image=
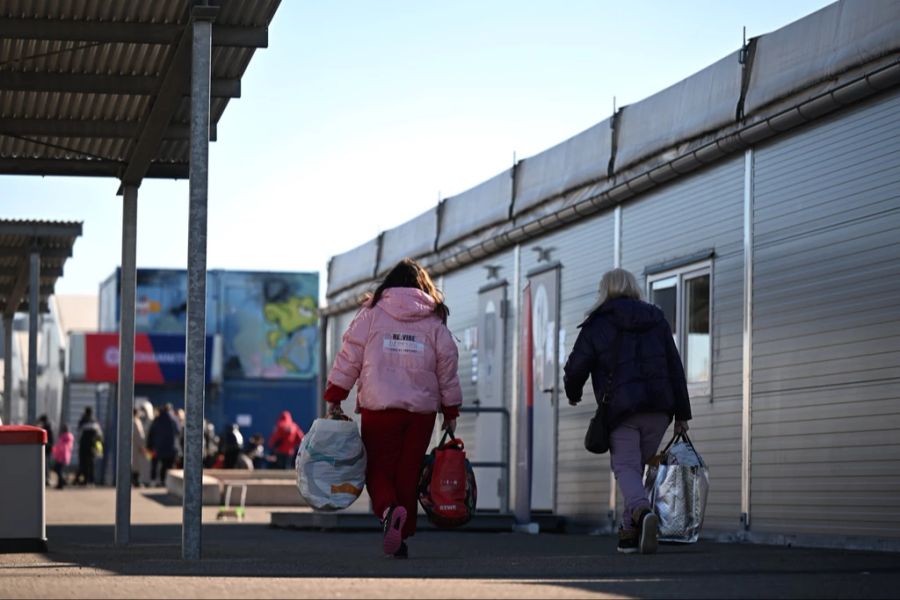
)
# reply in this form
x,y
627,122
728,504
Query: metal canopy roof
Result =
x,y
103,88
115,88
53,240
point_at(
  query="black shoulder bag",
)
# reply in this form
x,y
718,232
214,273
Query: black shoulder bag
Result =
x,y
596,440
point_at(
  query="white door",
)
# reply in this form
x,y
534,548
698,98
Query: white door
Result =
x,y
490,408
545,338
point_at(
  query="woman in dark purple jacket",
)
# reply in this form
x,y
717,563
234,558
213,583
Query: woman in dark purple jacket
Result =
x,y
626,345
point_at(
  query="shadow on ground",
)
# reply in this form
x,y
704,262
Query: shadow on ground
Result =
x,y
581,562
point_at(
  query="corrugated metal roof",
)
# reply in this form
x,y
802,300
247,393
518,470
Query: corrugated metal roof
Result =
x,y
78,80
18,240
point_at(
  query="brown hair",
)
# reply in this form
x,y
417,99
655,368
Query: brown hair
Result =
x,y
409,274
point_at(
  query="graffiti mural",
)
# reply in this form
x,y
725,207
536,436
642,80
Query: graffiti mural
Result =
x,y
268,322
270,325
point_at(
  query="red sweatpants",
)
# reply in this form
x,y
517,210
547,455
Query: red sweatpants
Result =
x,y
396,441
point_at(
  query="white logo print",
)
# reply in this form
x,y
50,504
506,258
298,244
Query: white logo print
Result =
x,y
403,343
111,357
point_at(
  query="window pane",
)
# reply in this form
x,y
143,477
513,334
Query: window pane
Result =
x,y
697,304
663,293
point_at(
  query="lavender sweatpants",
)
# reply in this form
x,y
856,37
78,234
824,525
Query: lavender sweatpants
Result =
x,y
631,445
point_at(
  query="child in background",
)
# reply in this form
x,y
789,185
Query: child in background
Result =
x,y
62,454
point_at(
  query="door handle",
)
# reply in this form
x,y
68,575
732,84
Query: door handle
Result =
x,y
549,390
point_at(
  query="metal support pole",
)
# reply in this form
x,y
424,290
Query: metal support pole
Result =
x,y
195,367
521,435
34,305
612,513
521,511
7,368
127,284
747,370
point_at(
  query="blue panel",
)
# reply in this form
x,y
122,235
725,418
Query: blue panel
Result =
x,y
161,301
263,401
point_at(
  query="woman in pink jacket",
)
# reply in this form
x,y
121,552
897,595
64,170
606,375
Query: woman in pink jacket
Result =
x,y
400,353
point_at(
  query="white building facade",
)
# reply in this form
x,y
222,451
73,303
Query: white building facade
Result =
x,y
758,201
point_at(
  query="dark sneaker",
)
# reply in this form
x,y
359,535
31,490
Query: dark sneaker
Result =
x,y
628,541
647,524
403,552
393,529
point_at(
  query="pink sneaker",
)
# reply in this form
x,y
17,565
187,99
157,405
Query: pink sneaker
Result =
x,y
394,520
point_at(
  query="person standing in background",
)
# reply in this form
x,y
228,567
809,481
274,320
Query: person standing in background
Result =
x,y
90,445
210,444
62,454
284,441
138,448
162,441
231,445
146,414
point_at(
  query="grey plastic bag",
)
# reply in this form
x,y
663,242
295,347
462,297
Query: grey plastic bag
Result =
x,y
331,464
678,492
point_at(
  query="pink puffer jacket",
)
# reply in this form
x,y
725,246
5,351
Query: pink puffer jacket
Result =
x,y
402,354
62,449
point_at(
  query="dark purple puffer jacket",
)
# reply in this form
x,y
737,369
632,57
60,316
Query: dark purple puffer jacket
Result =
x,y
648,375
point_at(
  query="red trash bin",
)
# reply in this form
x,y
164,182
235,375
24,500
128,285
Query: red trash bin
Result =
x,y
22,517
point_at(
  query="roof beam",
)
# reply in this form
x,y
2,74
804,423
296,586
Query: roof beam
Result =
x,y
43,290
168,98
139,85
40,229
45,272
23,307
17,294
84,167
126,33
23,251
76,128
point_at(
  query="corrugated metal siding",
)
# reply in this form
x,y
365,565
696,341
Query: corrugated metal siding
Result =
x,y
461,293
826,341
585,251
704,211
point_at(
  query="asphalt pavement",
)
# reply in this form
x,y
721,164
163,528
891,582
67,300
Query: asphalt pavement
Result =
x,y
251,559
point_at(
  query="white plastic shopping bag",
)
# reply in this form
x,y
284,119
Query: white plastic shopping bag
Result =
x,y
677,482
331,464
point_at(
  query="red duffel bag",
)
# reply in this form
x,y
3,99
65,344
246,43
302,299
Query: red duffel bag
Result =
x,y
447,489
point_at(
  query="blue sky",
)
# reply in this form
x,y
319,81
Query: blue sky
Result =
x,y
360,115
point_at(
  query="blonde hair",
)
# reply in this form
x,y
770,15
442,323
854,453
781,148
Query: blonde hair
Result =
x,y
616,283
